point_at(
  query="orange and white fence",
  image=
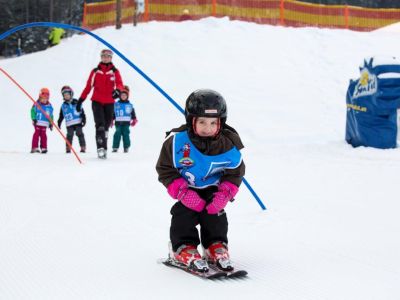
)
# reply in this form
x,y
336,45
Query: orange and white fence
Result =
x,y
274,12
103,13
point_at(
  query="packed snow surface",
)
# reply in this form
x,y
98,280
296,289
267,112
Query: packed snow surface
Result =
x,y
96,230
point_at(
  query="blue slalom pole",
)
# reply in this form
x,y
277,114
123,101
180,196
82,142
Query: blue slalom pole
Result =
x,y
247,184
136,68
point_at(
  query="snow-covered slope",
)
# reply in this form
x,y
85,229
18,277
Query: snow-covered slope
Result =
x,y
95,231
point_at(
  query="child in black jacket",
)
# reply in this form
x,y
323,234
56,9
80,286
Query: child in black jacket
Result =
x,y
74,120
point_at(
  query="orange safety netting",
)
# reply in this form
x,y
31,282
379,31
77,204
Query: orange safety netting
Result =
x,y
275,12
100,14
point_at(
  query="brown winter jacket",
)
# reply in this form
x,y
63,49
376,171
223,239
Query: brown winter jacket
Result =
x,y
226,140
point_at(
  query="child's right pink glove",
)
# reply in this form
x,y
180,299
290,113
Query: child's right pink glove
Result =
x,y
179,189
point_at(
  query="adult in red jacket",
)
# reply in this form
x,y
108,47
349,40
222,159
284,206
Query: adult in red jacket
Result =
x,y
106,82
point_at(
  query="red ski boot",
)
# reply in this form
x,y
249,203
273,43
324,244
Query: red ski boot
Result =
x,y
190,257
218,254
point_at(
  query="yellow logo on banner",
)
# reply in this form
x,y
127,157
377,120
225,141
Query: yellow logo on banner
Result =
x,y
357,107
364,78
367,85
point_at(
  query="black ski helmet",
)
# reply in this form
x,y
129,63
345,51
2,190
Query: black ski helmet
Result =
x,y
205,103
67,89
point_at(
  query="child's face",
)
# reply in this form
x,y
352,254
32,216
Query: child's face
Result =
x,y
44,99
124,96
44,96
207,127
105,58
67,96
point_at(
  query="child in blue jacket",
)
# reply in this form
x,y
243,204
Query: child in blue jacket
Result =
x,y
124,116
74,120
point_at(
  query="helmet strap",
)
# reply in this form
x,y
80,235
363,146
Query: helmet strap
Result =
x,y
194,125
218,127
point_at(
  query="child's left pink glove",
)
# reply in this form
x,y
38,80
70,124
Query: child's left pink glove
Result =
x,y
226,192
134,122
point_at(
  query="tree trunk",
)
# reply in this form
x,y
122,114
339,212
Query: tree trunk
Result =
x,y
51,10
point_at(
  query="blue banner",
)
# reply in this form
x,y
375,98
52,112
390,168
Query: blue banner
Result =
x,y
372,103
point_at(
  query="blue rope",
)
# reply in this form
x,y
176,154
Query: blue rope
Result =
x,y
136,68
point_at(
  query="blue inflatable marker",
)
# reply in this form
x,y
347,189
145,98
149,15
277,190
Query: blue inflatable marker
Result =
x,y
136,68
372,102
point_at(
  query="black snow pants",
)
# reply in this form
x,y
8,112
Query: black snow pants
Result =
x,y
103,115
213,228
79,133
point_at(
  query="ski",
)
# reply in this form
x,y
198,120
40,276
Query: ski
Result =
x,y
230,274
212,273
236,274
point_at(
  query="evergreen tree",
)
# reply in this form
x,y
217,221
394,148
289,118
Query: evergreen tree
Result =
x,y
18,12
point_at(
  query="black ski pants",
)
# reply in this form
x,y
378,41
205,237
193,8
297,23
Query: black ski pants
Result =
x,y
103,115
79,133
213,228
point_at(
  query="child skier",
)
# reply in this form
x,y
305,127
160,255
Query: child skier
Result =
x,y
74,120
125,116
41,122
201,166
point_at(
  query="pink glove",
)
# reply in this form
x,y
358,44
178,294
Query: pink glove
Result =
x,y
134,122
226,192
179,189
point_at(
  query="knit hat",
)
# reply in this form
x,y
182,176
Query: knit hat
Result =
x,y
125,90
107,52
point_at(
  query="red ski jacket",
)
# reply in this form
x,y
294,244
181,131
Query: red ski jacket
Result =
x,y
104,80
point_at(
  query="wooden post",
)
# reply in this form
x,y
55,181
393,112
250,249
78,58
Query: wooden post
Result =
x,y
118,14
135,12
84,25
